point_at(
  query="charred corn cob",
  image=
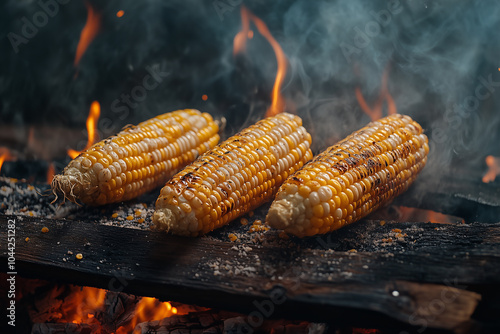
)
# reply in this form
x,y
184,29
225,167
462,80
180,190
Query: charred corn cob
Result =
x,y
138,159
352,178
235,177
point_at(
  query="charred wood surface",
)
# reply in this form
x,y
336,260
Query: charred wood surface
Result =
x,y
418,274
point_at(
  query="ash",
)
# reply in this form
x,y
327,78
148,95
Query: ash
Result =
x,y
20,198
247,237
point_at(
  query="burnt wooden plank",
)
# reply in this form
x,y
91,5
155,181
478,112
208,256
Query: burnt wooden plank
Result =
x,y
317,279
458,192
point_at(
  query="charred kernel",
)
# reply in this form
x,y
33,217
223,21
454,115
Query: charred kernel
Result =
x,y
138,159
233,178
351,179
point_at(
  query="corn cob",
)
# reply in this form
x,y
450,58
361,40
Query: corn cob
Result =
x,y
352,178
235,177
138,159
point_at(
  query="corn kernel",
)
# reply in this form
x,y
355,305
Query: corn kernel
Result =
x,y
120,166
45,229
233,178
352,178
79,256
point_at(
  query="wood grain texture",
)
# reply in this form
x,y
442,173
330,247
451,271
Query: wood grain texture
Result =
x,y
423,281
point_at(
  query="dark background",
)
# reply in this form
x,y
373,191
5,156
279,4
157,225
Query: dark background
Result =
x,y
436,52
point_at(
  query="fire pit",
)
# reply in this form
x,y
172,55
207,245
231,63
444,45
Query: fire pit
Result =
x,y
428,262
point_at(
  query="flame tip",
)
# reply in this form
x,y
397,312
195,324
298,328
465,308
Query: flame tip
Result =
x,y
239,45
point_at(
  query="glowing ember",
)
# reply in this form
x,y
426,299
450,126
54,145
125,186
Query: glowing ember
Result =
x,y
95,112
148,309
376,112
414,215
50,173
4,155
79,306
88,33
239,45
364,331
493,169
120,13
204,97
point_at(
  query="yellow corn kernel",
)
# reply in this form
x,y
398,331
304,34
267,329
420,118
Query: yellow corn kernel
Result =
x,y
360,174
233,178
138,159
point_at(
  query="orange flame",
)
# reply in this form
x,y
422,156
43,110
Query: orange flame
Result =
x,y
414,214
51,171
95,112
376,112
88,33
239,45
79,306
120,13
148,309
4,155
493,169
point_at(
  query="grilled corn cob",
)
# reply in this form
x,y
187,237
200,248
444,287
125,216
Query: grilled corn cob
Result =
x,y
352,178
233,178
138,159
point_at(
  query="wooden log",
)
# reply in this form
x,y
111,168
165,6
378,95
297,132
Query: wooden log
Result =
x,y
64,328
118,310
316,279
225,322
458,192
